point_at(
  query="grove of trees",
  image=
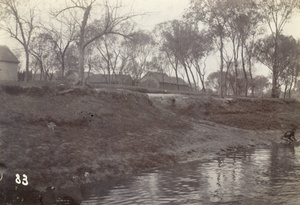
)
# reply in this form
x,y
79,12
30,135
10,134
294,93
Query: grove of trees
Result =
x,y
102,37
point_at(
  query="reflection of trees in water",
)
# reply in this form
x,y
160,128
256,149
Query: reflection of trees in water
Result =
x,y
181,182
262,176
227,177
281,161
178,184
283,173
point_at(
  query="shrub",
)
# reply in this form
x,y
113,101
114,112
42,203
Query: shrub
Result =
x,y
12,89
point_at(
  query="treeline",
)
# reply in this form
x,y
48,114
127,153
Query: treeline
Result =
x,y
245,32
96,36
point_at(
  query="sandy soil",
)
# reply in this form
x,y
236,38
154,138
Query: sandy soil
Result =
x,y
62,137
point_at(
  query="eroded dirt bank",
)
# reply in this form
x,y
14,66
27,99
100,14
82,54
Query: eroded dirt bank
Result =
x,y
62,139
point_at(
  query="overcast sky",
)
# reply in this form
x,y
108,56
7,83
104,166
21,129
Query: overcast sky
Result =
x,y
159,11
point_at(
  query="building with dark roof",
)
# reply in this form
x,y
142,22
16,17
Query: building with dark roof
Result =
x,y
163,81
8,65
73,76
110,79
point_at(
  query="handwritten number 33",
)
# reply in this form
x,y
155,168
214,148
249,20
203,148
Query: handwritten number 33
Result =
x,y
23,181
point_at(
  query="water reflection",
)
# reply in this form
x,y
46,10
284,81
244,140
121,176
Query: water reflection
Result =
x,y
262,176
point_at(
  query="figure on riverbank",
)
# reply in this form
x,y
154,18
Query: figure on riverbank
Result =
x,y
289,135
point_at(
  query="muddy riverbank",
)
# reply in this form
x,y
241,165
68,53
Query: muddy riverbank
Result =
x,y
60,137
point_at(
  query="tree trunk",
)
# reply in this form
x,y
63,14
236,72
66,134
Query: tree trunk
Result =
x,y
251,76
221,66
275,69
175,67
63,54
26,64
285,89
236,56
42,78
81,45
176,74
228,64
90,68
62,69
187,74
244,70
195,84
290,87
274,83
235,77
201,76
81,66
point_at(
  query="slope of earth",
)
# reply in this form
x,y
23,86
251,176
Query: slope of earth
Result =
x,y
246,113
61,137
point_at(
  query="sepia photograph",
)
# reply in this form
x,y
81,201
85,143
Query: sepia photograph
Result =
x,y
129,102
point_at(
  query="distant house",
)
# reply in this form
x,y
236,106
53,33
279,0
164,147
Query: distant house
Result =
x,y
163,81
72,75
8,65
110,79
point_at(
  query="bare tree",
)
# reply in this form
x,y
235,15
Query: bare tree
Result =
x,y
109,23
41,49
109,51
71,59
19,24
61,31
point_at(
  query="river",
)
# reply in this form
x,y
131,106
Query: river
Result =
x,y
258,176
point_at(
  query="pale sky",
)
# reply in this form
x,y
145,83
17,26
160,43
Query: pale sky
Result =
x,y
157,11
160,11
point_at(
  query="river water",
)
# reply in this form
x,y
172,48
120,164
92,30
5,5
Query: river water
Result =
x,y
258,176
